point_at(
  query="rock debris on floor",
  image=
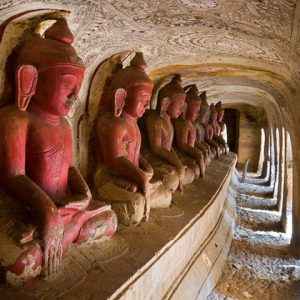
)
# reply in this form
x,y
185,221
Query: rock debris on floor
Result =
x,y
261,263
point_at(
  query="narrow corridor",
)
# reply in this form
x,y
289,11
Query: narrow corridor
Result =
x,y
261,264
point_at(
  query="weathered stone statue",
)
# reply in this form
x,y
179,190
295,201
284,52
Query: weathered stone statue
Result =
x,y
220,117
200,132
55,206
210,129
203,120
185,132
123,179
160,133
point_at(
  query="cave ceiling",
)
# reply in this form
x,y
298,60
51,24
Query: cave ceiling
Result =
x,y
198,38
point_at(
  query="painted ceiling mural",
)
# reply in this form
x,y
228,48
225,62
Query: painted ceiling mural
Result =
x,y
259,34
177,30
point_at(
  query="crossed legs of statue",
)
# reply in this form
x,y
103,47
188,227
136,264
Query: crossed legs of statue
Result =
x,y
130,205
22,251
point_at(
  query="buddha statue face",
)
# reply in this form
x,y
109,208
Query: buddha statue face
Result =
x,y
193,103
176,95
192,112
176,105
138,99
57,88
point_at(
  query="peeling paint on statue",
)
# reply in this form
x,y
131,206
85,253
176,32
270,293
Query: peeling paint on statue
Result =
x,y
36,155
124,178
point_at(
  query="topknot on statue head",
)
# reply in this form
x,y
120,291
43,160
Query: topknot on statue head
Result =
x,y
55,48
193,103
132,75
171,90
192,94
203,96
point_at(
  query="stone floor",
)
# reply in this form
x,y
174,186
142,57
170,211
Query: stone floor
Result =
x,y
261,264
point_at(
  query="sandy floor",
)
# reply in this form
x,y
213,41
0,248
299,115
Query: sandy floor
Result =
x,y
261,263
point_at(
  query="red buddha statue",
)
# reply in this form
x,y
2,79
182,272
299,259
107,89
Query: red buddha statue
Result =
x,y
210,129
220,117
160,133
203,119
185,132
124,177
54,207
200,132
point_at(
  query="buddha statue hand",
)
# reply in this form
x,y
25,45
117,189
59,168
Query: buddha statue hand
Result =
x,y
146,173
181,178
52,239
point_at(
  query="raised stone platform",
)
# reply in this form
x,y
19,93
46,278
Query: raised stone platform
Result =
x,y
178,254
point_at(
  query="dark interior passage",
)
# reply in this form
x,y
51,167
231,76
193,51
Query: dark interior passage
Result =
x,y
232,119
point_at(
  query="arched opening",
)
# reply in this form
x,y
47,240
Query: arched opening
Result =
x,y
232,120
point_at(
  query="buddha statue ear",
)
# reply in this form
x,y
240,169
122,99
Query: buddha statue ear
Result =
x,y
120,96
164,106
26,79
183,110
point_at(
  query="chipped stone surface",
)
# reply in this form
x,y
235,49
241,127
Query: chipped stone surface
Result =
x,y
99,270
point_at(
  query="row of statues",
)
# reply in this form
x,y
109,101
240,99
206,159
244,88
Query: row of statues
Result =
x,y
46,204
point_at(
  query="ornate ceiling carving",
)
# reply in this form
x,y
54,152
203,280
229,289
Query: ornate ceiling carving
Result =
x,y
191,29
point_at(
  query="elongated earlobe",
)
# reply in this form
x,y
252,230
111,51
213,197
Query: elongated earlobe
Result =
x,y
120,96
26,79
164,106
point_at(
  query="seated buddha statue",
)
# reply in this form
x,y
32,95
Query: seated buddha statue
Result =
x,y
123,177
217,129
45,203
200,132
203,119
160,135
221,125
210,129
185,132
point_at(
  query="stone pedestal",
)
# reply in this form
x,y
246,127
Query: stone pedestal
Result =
x,y
178,254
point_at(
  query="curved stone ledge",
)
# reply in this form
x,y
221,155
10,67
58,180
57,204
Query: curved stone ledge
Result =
x,y
178,254
191,264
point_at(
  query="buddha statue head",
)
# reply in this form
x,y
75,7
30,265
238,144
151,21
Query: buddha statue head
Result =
x,y
204,113
48,71
171,98
220,111
193,102
131,89
213,114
